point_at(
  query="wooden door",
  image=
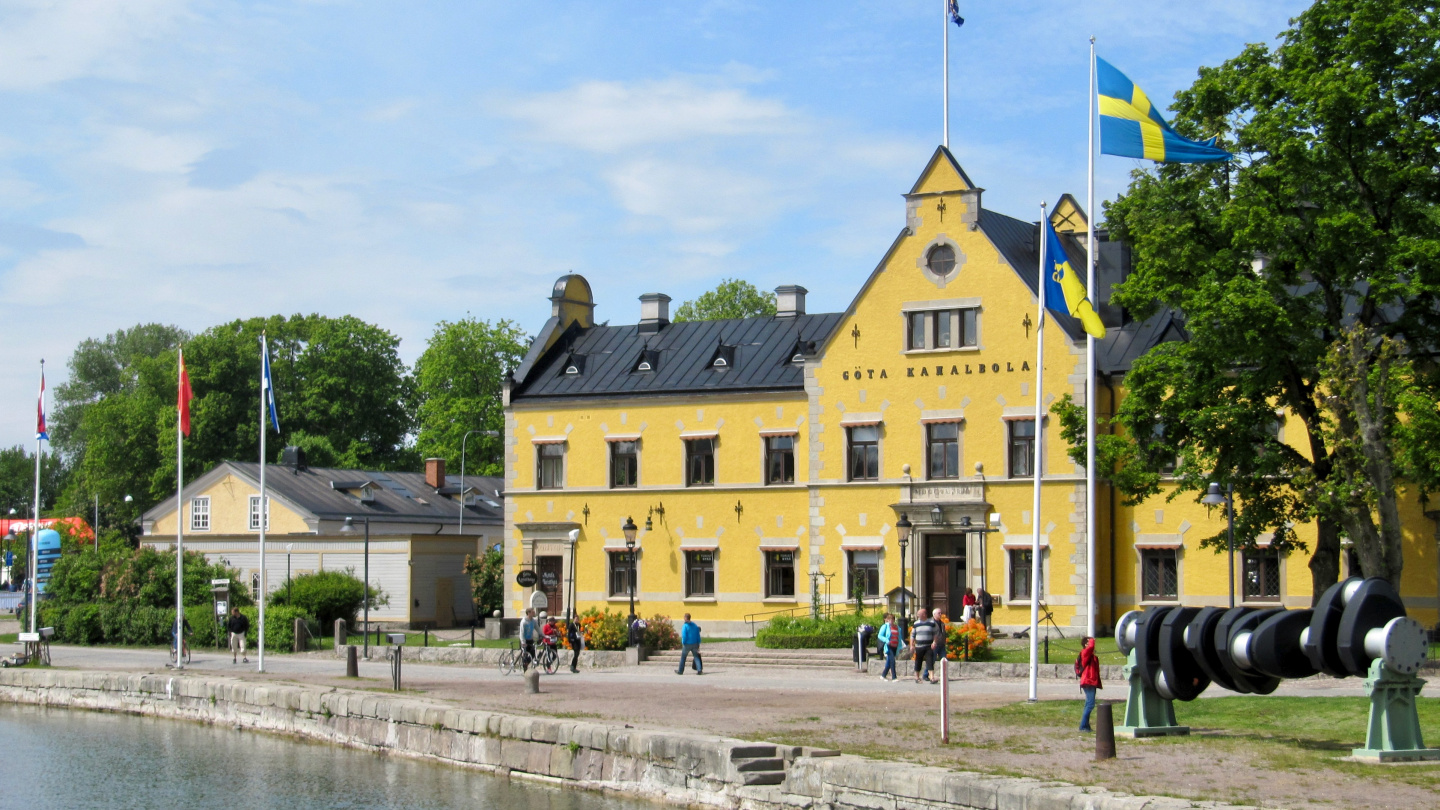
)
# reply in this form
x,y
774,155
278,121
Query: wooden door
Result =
x,y
551,571
937,591
445,602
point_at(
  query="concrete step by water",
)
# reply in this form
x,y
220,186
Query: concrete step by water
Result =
x,y
758,764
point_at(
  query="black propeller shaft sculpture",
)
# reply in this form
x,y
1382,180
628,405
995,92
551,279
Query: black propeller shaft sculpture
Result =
x,y
1357,628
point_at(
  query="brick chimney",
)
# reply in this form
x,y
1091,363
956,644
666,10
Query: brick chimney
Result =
x,y
435,472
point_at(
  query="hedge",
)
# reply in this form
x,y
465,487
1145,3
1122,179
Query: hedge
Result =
x,y
92,623
803,632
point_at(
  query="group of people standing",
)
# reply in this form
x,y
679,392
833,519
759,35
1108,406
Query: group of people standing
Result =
x,y
926,643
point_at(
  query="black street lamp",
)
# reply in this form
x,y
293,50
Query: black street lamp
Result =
x,y
1214,498
630,529
902,528
349,528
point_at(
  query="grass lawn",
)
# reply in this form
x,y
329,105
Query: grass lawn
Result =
x,y
1288,733
1062,650
451,638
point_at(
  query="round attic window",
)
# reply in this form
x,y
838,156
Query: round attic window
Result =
x,y
941,260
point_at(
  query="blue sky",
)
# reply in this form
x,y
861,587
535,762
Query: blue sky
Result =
x,y
195,162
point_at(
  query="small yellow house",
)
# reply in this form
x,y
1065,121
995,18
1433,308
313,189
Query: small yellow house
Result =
x,y
421,526
765,462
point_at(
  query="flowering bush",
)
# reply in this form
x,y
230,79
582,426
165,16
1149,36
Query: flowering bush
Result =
x,y
660,633
602,631
971,635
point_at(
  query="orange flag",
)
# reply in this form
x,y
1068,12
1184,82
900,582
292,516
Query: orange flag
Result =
x,y
184,396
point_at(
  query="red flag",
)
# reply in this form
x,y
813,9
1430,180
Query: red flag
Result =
x,y
184,396
40,431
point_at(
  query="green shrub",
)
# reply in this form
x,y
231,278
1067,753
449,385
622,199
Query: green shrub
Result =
x,y
603,631
803,632
141,576
326,596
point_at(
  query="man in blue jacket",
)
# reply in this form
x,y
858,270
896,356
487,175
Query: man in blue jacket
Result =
x,y
690,643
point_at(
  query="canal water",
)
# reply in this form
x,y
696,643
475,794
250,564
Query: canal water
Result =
x,y
57,758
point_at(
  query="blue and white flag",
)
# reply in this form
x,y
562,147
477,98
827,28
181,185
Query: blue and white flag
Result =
x,y
267,383
955,13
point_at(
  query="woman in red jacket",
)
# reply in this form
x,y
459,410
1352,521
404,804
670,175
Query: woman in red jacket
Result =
x,y
1087,668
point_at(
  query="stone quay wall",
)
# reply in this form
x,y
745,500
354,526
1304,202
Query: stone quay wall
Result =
x,y
684,769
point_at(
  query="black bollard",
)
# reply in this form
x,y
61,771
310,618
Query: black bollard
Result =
x,y
1104,732
352,662
427,638
472,635
1047,649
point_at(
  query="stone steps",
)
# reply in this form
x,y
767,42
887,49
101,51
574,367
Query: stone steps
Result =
x,y
758,764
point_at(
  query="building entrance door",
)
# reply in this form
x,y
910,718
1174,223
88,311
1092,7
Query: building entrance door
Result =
x,y
944,573
551,571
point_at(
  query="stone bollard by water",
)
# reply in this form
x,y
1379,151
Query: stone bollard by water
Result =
x,y
532,681
341,634
352,661
1104,731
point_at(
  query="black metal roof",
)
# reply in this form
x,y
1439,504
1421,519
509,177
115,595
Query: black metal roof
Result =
x,y
607,358
396,496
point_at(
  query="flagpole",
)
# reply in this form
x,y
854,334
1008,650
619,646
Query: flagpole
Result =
x,y
264,510
179,520
1039,446
1090,250
945,26
35,527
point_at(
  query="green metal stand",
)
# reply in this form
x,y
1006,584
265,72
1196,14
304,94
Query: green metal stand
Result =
x,y
1394,731
1146,713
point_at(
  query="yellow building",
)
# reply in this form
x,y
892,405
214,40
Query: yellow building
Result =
x,y
766,461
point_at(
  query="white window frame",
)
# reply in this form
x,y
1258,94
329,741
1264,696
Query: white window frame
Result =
x,y
255,513
200,513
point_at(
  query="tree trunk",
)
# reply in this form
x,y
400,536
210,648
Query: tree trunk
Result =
x,y
1371,405
1325,562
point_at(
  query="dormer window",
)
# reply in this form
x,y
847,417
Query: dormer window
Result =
x,y
649,360
723,358
363,491
575,364
801,350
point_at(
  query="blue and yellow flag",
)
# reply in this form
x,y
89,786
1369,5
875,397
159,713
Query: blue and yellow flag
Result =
x,y
1065,289
1130,126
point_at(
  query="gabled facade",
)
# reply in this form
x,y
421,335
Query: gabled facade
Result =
x,y
417,543
766,461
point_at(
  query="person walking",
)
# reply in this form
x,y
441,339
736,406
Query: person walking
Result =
x,y
942,637
238,624
576,641
987,606
527,638
1087,668
890,645
690,643
922,644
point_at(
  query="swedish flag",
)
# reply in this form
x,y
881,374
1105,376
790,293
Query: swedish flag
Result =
x,y
1064,289
1130,126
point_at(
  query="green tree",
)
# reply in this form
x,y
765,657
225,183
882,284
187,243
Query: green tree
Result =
x,y
342,392
17,481
458,382
1297,269
328,595
732,298
487,580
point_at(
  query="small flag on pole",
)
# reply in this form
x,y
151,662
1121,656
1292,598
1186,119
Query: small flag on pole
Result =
x,y
955,13
269,385
183,396
1130,126
1064,288
40,431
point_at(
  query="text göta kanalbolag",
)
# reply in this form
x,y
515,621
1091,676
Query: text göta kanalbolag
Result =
x,y
924,371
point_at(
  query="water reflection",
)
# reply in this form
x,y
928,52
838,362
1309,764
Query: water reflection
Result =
x,y
73,759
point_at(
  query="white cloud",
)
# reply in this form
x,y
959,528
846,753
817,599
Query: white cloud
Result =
x,y
608,116
43,42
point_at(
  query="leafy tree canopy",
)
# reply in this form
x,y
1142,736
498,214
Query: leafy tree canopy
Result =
x,y
732,298
458,384
1307,274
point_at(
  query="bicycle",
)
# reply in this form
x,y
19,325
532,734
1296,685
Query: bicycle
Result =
x,y
549,658
513,657
185,650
